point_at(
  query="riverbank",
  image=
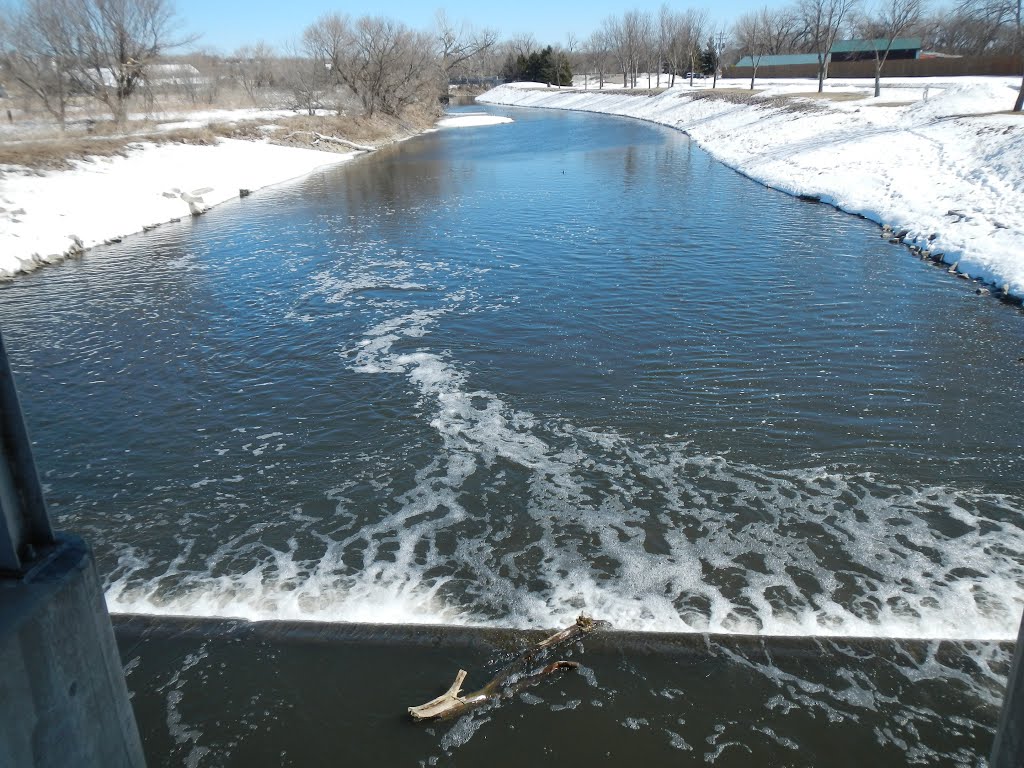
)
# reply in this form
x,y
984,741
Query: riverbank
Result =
x,y
48,216
942,166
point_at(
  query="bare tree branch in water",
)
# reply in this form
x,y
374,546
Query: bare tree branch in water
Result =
x,y
508,682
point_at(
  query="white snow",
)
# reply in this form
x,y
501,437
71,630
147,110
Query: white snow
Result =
x,y
949,168
42,217
933,156
472,120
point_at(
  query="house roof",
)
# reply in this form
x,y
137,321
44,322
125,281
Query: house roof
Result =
x,y
780,61
171,70
878,44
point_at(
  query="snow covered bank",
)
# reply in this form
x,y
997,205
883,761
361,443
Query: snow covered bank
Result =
x,y
46,217
43,218
947,168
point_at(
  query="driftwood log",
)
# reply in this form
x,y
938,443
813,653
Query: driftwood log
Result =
x,y
506,683
318,137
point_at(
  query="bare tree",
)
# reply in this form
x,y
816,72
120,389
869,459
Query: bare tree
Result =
x,y
326,42
629,47
459,44
597,55
388,66
677,42
115,40
251,68
998,20
523,45
783,32
305,76
197,75
695,24
888,20
749,32
636,34
615,36
1018,105
36,41
662,37
958,32
572,47
823,20
625,40
510,51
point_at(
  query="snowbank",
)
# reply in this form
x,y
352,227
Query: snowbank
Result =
x,y
43,218
472,120
949,169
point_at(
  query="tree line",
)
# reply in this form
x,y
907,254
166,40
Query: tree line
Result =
x,y
63,51
56,49
659,46
673,41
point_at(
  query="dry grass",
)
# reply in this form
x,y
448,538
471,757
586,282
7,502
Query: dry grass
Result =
x,y
732,95
201,136
645,91
827,96
55,151
247,129
373,131
56,154
63,152
788,102
34,142
746,91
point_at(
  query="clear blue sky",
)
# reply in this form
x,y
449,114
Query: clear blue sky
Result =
x,y
227,24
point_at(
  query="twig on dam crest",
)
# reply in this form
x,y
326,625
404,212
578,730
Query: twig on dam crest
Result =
x,y
507,682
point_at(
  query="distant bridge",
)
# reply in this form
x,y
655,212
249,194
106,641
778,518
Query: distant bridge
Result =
x,y
465,80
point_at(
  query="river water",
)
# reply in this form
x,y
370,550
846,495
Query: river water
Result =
x,y
502,376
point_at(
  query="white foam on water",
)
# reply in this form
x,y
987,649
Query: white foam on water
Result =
x,y
524,521
183,734
462,731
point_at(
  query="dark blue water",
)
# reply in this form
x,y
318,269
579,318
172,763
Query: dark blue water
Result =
x,y
504,375
511,374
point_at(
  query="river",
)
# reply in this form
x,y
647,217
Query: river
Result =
x,y
506,375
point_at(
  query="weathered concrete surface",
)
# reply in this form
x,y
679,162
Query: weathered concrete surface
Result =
x,y
1008,749
63,699
235,694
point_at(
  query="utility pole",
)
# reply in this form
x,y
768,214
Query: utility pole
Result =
x,y
719,47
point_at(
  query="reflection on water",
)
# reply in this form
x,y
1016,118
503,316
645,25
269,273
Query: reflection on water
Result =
x,y
504,376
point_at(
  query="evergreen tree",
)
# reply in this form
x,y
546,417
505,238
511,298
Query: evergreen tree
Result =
x,y
709,58
544,66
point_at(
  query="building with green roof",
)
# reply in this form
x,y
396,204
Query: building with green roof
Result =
x,y
842,50
785,60
860,50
